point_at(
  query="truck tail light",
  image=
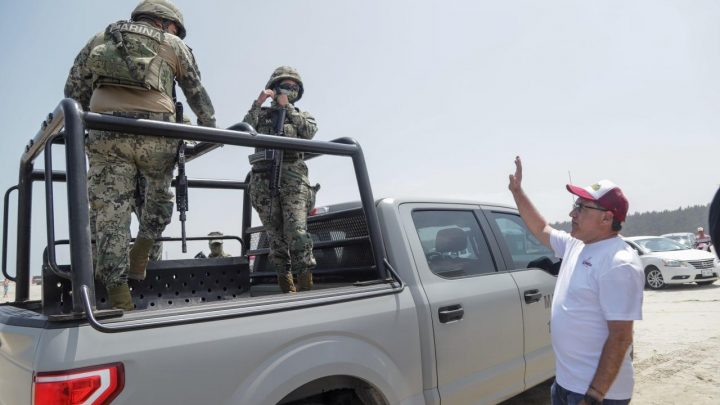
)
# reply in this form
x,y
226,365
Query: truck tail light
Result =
x,y
318,210
97,385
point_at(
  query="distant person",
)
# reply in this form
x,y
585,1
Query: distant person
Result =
x,y
598,295
130,70
6,287
284,213
702,240
216,246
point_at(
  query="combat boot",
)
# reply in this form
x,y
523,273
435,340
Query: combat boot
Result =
x,y
139,257
305,281
285,281
120,298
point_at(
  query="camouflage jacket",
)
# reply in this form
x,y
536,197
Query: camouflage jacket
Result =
x,y
80,82
224,254
298,124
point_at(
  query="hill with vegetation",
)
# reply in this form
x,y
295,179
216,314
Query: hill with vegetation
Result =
x,y
660,222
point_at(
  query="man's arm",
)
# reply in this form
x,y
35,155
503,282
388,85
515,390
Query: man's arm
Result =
x,y
616,346
188,77
534,221
78,85
253,115
303,122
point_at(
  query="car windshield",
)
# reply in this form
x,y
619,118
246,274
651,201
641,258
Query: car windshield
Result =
x,y
681,239
660,245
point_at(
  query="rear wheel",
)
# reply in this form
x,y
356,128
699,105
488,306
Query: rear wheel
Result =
x,y
654,278
705,282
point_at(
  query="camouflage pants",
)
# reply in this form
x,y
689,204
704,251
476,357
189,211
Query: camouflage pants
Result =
x,y
138,202
115,159
285,217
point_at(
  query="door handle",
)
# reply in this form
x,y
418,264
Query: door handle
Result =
x,y
532,296
451,313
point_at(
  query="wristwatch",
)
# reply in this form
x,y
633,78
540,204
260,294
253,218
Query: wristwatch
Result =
x,y
591,400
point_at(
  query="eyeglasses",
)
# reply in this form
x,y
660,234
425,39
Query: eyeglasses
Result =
x,y
578,206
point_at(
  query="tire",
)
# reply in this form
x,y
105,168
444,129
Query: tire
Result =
x,y
654,278
705,282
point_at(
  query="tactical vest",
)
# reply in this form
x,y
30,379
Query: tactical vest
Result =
x,y
129,57
266,125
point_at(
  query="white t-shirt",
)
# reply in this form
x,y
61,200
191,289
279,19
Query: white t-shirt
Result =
x,y
599,282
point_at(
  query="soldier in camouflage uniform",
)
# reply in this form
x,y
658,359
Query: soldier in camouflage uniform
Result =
x,y
129,71
216,246
284,216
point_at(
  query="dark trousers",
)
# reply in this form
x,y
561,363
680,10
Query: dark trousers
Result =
x,y
561,396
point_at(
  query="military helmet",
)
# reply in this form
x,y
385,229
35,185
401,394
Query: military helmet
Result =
x,y
282,73
161,9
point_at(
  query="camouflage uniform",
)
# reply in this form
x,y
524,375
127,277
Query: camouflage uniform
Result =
x,y
216,246
138,203
285,216
129,70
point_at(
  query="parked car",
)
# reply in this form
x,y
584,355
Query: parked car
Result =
x,y
685,238
666,261
37,280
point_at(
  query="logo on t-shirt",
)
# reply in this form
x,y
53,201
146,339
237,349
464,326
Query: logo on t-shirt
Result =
x,y
586,262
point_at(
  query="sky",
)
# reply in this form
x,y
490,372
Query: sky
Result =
x,y
441,95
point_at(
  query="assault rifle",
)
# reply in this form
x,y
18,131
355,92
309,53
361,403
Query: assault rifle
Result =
x,y
181,181
277,156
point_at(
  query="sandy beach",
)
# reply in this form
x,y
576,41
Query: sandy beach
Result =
x,y
35,293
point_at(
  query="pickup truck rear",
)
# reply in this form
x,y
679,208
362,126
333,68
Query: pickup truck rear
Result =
x,y
417,301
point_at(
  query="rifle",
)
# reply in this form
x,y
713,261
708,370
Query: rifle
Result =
x,y
181,182
277,155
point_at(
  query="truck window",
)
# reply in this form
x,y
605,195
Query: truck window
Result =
x,y
453,244
523,246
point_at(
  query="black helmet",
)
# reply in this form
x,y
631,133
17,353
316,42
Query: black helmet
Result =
x,y
285,72
161,9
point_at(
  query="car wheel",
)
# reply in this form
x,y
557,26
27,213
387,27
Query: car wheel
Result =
x,y
654,278
705,282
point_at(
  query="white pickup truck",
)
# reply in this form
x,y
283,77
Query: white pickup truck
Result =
x,y
416,301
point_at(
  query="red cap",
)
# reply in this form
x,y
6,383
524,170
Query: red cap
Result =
x,y
605,194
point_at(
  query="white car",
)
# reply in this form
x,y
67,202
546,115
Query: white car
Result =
x,y
666,261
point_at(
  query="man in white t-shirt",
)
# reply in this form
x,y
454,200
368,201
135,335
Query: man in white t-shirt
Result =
x,y
597,297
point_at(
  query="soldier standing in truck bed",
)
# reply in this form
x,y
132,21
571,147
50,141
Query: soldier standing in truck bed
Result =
x,y
129,70
284,215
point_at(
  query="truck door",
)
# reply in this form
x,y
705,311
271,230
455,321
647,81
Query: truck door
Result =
x,y
476,314
525,256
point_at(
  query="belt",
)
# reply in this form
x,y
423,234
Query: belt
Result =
x,y
165,116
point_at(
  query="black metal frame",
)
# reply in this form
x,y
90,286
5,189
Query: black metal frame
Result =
x,y
69,115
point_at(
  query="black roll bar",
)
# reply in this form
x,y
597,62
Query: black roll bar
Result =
x,y
6,210
68,115
78,204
